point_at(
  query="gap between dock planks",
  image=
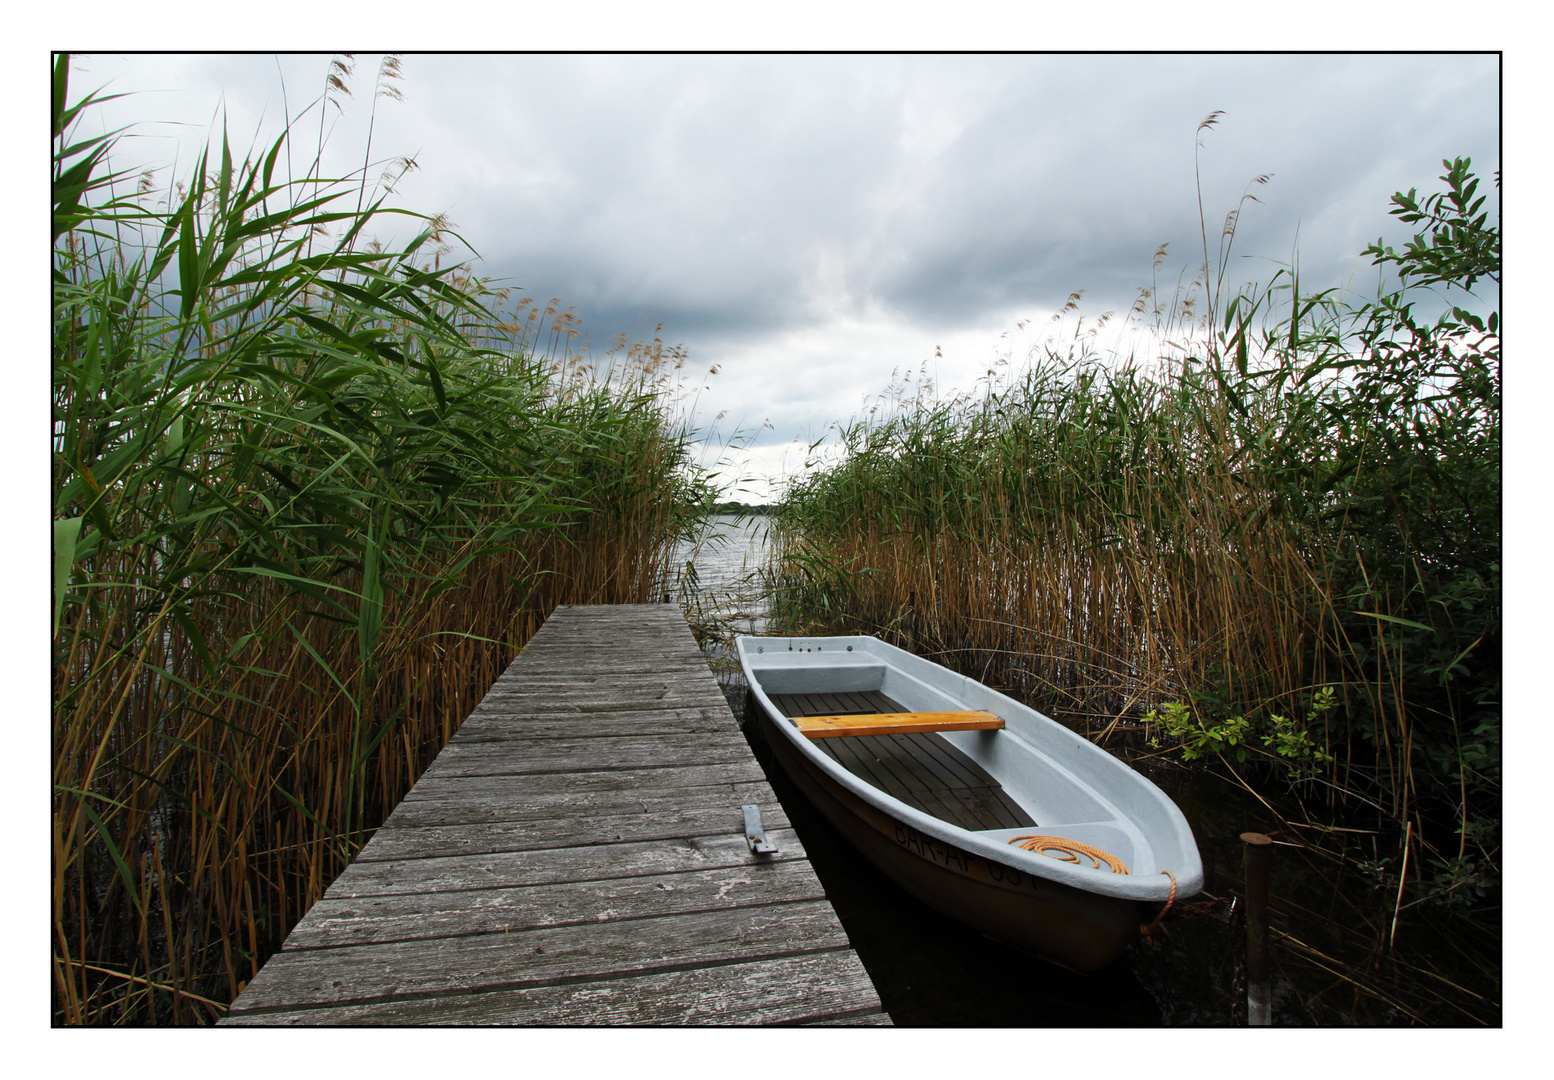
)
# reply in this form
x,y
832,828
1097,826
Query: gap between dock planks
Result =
x,y
576,855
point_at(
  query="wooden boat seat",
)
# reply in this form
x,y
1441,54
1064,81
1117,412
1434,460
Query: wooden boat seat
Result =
x,y
895,723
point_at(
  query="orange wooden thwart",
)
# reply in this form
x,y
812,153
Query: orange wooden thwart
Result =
x,y
897,723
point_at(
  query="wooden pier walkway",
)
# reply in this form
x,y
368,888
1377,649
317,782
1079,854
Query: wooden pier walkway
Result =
x,y
576,855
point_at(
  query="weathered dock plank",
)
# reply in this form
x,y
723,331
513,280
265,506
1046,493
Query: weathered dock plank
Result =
x,y
603,778
817,988
459,837
576,855
540,724
478,963
509,754
406,916
589,862
451,800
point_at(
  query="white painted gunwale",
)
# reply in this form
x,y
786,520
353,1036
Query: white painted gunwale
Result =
x,y
1021,755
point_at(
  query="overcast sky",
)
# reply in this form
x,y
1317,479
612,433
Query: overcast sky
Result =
x,y
810,224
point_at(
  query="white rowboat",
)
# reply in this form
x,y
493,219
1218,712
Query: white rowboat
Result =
x,y
983,808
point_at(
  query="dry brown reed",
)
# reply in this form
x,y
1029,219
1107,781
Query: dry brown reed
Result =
x,y
1084,537
204,885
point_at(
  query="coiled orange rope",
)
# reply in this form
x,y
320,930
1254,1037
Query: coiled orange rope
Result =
x,y
1071,850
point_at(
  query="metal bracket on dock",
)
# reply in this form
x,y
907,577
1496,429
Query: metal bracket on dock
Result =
x,y
755,832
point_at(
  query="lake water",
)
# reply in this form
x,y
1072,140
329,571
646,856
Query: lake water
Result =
x,y
726,560
1332,900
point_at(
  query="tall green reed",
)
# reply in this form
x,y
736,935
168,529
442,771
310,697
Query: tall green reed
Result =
x,y
310,496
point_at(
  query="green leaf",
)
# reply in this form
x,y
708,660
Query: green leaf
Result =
x,y
61,88
66,532
174,439
188,260
113,853
1395,619
370,614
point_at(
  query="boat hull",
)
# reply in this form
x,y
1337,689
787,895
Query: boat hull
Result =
x,y
1059,923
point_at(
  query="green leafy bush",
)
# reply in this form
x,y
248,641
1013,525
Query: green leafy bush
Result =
x,y
1200,737
1285,737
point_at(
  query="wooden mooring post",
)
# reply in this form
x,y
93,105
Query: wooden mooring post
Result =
x,y
578,854
1255,861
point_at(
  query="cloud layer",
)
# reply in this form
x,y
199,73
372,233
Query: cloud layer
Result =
x,y
810,223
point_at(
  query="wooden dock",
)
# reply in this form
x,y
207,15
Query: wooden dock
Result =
x,y
577,855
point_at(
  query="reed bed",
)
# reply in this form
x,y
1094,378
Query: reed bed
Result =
x,y
1080,534
311,495
1300,493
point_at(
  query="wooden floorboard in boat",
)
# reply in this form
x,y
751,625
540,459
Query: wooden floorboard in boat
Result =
x,y
577,855
850,703
923,770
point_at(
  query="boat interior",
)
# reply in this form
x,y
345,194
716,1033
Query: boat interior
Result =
x,y
928,771
922,770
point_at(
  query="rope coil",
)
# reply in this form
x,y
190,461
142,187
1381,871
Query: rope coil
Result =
x,y
1070,851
